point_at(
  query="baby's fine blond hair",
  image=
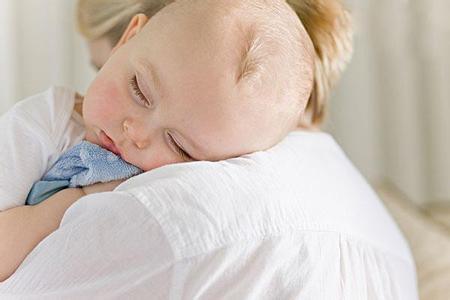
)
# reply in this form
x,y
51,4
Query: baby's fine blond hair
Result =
x,y
327,23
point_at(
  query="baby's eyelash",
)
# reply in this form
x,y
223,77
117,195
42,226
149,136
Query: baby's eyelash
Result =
x,y
180,151
137,92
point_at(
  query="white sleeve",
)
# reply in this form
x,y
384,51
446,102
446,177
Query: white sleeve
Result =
x,y
108,247
24,151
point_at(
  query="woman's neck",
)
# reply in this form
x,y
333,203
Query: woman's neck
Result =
x,y
302,126
78,104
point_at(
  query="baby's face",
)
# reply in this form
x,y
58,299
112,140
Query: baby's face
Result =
x,y
170,95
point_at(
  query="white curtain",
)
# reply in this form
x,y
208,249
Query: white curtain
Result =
x,y
8,61
39,47
391,111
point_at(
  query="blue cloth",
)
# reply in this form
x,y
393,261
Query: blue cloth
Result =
x,y
82,165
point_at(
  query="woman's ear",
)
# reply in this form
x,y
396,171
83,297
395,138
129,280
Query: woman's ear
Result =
x,y
134,27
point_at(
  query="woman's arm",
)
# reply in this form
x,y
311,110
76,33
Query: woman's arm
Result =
x,y
22,228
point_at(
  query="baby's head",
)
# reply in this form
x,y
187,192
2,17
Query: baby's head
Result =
x,y
218,79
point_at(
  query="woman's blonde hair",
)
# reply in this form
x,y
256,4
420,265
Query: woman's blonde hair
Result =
x,y
329,26
110,18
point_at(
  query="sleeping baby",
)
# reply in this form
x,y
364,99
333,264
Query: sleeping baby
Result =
x,y
208,85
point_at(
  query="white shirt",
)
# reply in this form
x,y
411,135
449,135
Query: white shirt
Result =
x,y
33,135
294,222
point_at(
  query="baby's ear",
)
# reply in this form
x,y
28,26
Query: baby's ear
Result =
x,y
134,27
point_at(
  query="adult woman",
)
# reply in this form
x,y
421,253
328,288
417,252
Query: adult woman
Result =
x,y
294,222
102,23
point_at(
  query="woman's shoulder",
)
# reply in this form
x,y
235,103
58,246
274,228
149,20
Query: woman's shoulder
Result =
x,y
47,113
55,102
334,193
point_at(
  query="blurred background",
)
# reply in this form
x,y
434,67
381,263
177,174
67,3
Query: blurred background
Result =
x,y
390,112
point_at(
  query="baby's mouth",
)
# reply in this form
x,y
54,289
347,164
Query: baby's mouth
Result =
x,y
108,143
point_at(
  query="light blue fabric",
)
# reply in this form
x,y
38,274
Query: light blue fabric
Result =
x,y
82,165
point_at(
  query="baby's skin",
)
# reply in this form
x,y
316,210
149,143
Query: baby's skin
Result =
x,y
201,80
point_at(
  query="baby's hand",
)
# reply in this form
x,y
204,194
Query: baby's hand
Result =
x,y
101,187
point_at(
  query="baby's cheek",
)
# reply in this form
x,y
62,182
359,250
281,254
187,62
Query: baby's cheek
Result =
x,y
105,100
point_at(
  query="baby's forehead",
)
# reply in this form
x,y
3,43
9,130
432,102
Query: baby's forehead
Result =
x,y
198,32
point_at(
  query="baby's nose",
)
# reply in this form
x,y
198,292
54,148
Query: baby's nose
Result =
x,y
137,133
